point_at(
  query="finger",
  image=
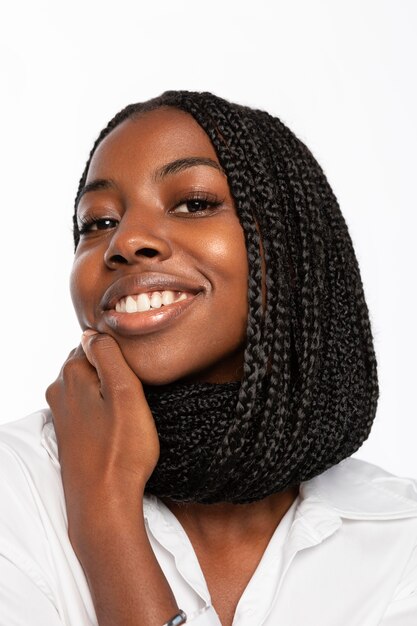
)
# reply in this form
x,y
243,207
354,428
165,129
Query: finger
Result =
x,y
84,343
72,355
76,360
104,354
77,376
79,352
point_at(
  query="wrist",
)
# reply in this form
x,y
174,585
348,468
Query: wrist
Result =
x,y
106,514
107,535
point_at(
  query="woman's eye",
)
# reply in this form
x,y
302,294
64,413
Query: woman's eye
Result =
x,y
104,223
195,205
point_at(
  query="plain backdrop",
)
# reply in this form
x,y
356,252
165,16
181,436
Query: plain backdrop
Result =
x,y
341,74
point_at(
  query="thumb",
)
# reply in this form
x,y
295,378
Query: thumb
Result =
x,y
104,354
85,341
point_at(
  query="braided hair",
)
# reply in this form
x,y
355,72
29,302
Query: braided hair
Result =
x,y
309,391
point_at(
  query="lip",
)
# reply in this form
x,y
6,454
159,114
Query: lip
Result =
x,y
146,322
141,323
134,284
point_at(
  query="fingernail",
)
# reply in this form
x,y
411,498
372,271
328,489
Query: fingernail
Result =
x,y
88,332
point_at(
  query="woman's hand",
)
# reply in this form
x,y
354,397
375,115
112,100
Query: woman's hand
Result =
x,y
108,448
107,440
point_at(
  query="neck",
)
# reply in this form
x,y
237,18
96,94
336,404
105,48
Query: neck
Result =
x,y
226,521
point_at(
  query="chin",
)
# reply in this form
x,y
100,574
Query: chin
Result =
x,y
157,379
164,366
154,372
154,375
166,373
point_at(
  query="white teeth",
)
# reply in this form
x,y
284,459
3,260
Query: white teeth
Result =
x,y
131,305
144,302
156,300
167,297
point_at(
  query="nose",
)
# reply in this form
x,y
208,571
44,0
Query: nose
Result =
x,y
134,242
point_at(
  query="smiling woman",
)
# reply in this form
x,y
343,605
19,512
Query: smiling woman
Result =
x,y
199,439
161,223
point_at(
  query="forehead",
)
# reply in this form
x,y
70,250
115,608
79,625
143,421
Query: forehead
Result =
x,y
150,140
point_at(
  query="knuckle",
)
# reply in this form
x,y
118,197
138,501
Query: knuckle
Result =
x,y
77,353
50,392
72,368
69,368
121,388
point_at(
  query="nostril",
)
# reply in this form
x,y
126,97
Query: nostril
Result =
x,y
118,258
148,252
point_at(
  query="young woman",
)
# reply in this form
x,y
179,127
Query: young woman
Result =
x,y
194,464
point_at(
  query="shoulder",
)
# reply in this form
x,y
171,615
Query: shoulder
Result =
x,y
34,541
31,496
26,432
357,489
30,480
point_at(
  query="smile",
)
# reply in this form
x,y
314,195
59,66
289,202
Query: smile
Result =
x,y
134,322
142,302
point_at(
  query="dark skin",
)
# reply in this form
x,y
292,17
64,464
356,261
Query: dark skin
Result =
x,y
179,222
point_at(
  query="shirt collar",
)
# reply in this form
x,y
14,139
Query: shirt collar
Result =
x,y
356,489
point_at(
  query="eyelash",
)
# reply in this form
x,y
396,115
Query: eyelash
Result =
x,y
87,222
211,203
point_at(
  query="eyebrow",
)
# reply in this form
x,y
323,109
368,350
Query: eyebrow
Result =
x,y
182,164
98,184
173,167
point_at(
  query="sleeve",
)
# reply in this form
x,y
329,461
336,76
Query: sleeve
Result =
x,y
402,610
22,601
26,586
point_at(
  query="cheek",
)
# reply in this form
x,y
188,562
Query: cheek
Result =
x,y
225,253
82,279
227,257
236,271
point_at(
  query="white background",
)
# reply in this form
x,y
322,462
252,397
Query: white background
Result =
x,y
341,74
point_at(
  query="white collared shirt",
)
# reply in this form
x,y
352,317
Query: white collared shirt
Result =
x,y
343,555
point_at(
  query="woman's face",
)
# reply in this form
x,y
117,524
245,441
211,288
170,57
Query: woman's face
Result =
x,y
161,264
